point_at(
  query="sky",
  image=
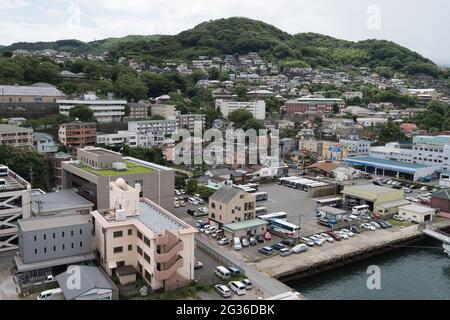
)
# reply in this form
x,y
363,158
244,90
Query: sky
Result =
x,y
417,24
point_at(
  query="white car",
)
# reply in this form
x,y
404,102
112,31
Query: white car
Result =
x,y
327,237
317,240
237,287
176,204
351,217
368,227
210,230
308,242
343,235
398,218
412,199
423,189
193,201
204,210
350,234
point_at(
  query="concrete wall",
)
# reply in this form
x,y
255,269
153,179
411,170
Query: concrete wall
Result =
x,y
29,244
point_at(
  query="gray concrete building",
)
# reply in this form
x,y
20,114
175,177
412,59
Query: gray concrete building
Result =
x,y
90,175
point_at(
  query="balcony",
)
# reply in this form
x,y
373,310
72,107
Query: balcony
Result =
x,y
167,256
166,274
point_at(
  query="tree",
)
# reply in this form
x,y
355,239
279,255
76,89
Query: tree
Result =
x,y
241,91
335,108
130,87
214,74
10,72
240,117
48,72
180,182
191,186
82,113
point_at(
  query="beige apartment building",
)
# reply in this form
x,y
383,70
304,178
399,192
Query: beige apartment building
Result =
x,y
231,205
16,136
164,110
95,167
137,235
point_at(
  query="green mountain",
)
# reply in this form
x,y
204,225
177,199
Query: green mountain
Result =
x,y
241,35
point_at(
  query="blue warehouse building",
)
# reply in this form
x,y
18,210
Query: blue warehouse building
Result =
x,y
389,168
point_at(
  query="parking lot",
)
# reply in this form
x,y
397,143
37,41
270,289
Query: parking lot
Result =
x,y
300,208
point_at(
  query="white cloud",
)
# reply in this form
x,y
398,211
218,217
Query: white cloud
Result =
x,y
13,4
416,24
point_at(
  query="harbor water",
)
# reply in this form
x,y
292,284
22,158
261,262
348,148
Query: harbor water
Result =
x,y
419,272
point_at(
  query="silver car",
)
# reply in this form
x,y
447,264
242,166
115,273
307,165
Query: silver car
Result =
x,y
223,290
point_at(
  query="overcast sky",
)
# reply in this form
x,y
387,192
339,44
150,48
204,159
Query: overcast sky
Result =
x,y
417,24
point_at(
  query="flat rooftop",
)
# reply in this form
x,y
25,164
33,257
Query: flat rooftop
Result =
x,y
247,224
132,168
386,164
157,220
418,209
53,222
13,182
6,128
371,188
58,201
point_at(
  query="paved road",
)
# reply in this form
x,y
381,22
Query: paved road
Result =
x,y
270,286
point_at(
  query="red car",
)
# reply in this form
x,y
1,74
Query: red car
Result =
x,y
376,215
268,236
334,235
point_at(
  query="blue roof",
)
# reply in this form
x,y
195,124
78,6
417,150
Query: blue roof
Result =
x,y
385,164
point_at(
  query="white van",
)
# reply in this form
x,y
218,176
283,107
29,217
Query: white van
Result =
x,y
358,210
237,287
222,272
49,294
237,245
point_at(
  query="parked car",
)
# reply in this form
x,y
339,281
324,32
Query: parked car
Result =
x,y
237,287
327,237
376,225
204,210
278,246
198,265
253,241
260,239
366,216
193,201
210,230
223,242
284,252
317,240
204,228
201,224
348,232
223,290
407,190
234,271
176,204
182,204
355,229
288,242
424,189
308,242
388,224
237,244
191,212
245,242
248,284
334,235
343,235
398,218
267,251
351,217
267,236
368,227
217,234
299,248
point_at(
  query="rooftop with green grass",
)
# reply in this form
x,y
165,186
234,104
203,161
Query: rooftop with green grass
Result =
x,y
132,168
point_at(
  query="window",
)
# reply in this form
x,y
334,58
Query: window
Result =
x,y
64,247
148,276
81,231
72,245
130,232
146,257
45,250
139,250
71,233
213,205
62,234
139,235
81,244
54,248
118,234
118,249
35,251
35,238
45,237
130,247
147,241
54,235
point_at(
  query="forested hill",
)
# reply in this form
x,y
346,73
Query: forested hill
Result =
x,y
242,35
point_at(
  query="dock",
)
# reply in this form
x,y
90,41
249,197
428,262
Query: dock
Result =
x,y
333,255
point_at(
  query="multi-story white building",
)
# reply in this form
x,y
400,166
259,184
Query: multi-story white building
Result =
x,y
191,122
257,108
426,150
356,147
129,138
155,131
139,235
15,204
105,111
44,143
